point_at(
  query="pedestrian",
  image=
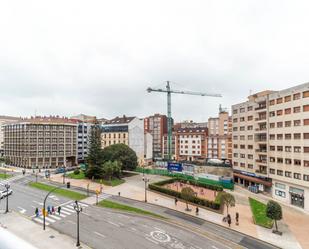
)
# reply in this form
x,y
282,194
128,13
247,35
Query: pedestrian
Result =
x,y
53,210
36,212
176,200
118,193
48,210
237,218
59,210
196,211
229,220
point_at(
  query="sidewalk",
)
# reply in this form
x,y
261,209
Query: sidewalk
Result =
x,y
287,240
33,233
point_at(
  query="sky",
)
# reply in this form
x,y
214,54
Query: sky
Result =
x,y
65,57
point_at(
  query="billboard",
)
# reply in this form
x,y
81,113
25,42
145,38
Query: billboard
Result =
x,y
174,167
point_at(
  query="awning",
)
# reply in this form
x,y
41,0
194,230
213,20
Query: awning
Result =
x,y
253,179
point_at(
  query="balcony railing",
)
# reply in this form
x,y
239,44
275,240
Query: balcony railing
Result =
x,y
260,118
261,150
264,161
260,108
261,172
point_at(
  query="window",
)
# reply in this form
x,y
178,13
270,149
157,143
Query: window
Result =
x,y
250,156
280,193
297,162
296,96
279,112
287,111
242,119
288,136
272,159
306,149
279,172
242,165
242,128
272,125
306,163
250,137
250,108
288,148
235,163
272,137
235,146
288,161
306,94
250,147
272,148
297,149
297,122
306,135
306,121
235,128
279,136
279,124
242,137
242,146
250,166
296,109
235,154
250,128
279,100
287,98
297,176
235,137
242,156
272,171
306,178
272,102
234,120
235,111
306,108
279,160
250,118
279,148
242,110
287,123
288,174
297,136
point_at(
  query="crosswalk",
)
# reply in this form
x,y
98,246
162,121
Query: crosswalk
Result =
x,y
104,196
66,210
9,180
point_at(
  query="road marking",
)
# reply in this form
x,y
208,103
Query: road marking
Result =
x,y
56,217
33,206
40,221
67,213
61,215
160,236
22,210
153,241
48,219
161,230
100,234
72,222
86,214
83,204
68,210
214,247
119,223
39,203
69,206
110,222
133,229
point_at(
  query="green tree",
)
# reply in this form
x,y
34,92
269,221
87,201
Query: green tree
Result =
x,y
111,169
228,200
274,211
121,153
187,194
95,156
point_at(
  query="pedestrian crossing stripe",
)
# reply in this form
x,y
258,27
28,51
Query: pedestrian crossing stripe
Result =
x,y
2,183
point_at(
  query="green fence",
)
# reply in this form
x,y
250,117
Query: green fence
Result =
x,y
163,172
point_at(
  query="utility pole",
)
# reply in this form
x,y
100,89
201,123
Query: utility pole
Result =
x,y
78,209
7,187
146,180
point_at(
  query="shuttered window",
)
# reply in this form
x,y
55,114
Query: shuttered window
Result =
x,y
306,108
306,94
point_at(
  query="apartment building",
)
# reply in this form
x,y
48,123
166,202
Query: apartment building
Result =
x,y
126,130
156,125
41,142
271,143
3,121
165,146
191,144
219,141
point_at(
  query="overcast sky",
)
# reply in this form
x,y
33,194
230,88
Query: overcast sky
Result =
x,y
98,57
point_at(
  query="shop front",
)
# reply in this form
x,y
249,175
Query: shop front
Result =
x,y
247,180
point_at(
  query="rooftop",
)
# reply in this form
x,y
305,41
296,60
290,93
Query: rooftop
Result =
x,y
120,120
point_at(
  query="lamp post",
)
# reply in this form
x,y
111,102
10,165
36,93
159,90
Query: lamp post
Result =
x,y
146,180
78,209
7,187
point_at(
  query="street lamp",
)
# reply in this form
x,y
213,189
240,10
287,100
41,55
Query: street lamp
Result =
x,y
146,180
7,187
78,209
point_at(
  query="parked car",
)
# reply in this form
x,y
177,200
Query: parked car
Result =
x,y
4,193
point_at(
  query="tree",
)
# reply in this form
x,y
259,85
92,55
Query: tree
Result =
x,y
111,169
228,200
121,153
274,212
95,157
187,194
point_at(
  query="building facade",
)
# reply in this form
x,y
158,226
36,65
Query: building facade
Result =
x,y
220,136
271,144
190,144
41,142
4,120
156,125
125,130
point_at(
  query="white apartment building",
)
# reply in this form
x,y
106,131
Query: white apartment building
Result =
x,y
4,120
271,144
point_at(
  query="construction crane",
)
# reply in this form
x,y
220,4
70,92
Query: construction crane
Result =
x,y
169,109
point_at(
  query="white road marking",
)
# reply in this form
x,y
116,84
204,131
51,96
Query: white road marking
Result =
x,y
67,213
214,247
41,221
33,206
55,217
120,223
70,207
133,229
112,223
22,210
161,230
83,204
160,236
39,203
49,219
68,210
100,234
153,241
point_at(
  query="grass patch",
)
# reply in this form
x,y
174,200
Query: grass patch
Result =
x,y
114,182
122,207
5,176
63,192
259,214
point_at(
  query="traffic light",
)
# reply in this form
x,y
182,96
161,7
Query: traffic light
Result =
x,y
68,184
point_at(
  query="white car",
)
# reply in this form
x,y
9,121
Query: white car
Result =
x,y
3,193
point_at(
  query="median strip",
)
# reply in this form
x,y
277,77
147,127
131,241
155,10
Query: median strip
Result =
x,y
118,206
63,192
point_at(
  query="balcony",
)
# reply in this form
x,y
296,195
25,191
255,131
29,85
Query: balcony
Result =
x,y
261,150
263,118
260,107
264,161
263,172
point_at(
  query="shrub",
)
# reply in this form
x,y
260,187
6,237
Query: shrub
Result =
x,y
76,172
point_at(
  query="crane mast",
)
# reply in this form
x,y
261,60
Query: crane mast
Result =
x,y
169,109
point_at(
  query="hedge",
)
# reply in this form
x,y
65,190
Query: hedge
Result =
x,y
216,204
